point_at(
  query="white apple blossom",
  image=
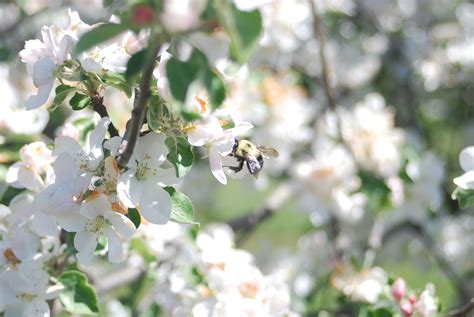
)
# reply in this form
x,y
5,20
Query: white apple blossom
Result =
x,y
181,16
365,286
98,220
217,141
330,180
142,184
426,305
34,171
42,58
89,157
368,129
466,160
22,296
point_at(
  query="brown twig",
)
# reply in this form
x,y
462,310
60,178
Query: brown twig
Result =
x,y
139,106
463,311
429,244
246,224
97,103
319,32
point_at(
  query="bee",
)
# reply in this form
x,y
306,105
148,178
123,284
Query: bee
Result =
x,y
252,155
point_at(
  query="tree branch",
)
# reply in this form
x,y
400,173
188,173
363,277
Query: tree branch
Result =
x,y
319,32
134,125
429,244
246,224
97,103
463,311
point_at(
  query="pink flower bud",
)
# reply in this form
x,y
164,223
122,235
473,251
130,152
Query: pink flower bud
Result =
x,y
406,307
143,15
399,288
412,298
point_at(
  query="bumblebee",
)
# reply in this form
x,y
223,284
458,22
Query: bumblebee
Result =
x,y
252,155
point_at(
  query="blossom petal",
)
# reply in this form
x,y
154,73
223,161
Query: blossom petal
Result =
x,y
129,189
85,243
155,204
465,181
44,225
215,163
122,224
466,159
65,144
95,139
95,207
72,222
114,246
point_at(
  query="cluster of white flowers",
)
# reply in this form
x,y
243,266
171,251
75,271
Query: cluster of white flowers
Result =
x,y
211,277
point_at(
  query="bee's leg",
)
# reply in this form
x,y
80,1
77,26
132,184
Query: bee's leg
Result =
x,y
239,167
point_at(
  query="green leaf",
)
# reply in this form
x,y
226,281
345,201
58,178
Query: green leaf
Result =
x,y
180,76
98,35
215,87
134,216
157,113
190,116
135,64
118,81
78,297
244,29
180,154
79,101
84,125
381,312
226,122
377,191
465,197
182,210
62,92
9,194
141,248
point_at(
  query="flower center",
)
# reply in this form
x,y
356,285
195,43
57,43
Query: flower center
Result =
x,y
96,225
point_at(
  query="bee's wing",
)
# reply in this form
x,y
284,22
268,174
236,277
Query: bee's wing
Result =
x,y
268,151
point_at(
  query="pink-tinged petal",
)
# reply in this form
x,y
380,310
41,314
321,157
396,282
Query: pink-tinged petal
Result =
x,y
30,179
72,222
465,181
129,189
65,144
44,225
12,175
86,242
466,159
155,204
122,224
114,246
215,163
36,101
95,207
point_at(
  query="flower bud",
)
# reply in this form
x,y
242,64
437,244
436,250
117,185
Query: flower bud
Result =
x,y
406,307
399,288
412,298
143,15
